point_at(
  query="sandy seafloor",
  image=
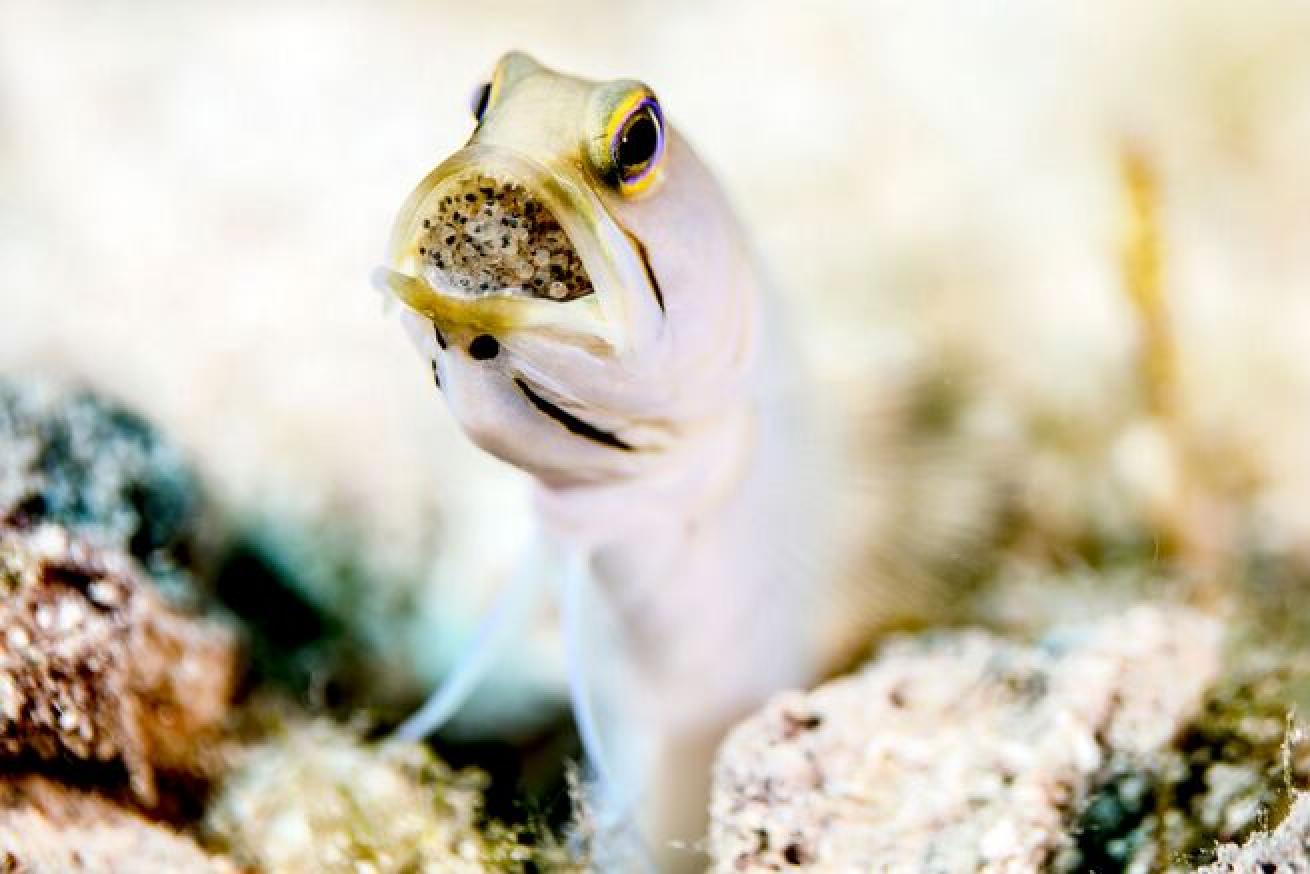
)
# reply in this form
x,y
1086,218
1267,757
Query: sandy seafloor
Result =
x,y
192,198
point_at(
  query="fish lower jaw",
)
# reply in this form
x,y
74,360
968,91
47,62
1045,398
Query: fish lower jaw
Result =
x,y
465,288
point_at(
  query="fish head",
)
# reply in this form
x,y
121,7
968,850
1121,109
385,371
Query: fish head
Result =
x,y
576,277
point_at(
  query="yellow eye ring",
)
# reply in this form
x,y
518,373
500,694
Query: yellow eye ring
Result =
x,y
636,137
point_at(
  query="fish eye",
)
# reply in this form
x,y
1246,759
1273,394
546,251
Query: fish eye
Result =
x,y
638,142
478,103
637,146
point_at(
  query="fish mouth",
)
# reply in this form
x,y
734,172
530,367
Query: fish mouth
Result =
x,y
497,242
483,234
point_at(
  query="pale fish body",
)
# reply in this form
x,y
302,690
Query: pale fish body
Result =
x,y
595,318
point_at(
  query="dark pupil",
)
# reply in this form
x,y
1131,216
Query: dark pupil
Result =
x,y
638,143
480,98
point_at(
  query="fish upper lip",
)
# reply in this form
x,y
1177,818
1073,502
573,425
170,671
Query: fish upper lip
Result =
x,y
496,314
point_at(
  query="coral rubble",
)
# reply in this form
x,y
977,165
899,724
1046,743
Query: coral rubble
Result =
x,y
71,457
1285,850
957,751
315,798
96,666
46,828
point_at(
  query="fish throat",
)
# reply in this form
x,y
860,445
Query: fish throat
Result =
x,y
489,236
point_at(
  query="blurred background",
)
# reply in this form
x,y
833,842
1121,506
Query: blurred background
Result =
x,y
1051,261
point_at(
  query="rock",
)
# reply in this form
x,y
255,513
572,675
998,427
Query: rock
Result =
x,y
1232,771
319,800
1285,850
95,666
46,828
73,458
956,751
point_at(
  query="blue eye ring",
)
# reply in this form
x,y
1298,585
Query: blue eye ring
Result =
x,y
485,95
480,100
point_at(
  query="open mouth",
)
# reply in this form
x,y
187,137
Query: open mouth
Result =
x,y
488,236
491,240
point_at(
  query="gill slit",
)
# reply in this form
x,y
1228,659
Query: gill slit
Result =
x,y
645,263
570,422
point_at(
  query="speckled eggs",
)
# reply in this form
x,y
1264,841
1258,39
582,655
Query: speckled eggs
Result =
x,y
489,236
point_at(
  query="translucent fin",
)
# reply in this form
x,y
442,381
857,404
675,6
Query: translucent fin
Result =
x,y
509,613
612,748
579,608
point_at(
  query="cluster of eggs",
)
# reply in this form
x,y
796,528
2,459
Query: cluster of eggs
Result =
x,y
490,236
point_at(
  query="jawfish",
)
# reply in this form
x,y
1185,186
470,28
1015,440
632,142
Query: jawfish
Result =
x,y
594,316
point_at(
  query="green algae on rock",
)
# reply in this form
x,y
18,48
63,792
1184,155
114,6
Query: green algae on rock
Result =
x,y
313,798
71,457
1235,769
1284,850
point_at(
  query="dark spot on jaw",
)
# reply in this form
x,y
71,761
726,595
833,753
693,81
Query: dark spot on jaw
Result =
x,y
484,347
571,422
793,724
436,377
440,337
794,854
